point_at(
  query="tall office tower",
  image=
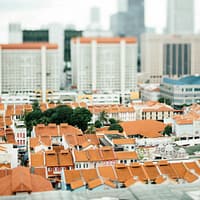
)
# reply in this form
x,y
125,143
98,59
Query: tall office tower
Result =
x,y
131,21
180,16
104,64
95,15
122,5
15,33
29,67
68,35
172,55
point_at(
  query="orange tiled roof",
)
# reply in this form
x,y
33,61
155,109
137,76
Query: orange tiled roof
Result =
x,y
69,130
151,170
37,160
107,172
89,174
129,182
76,184
109,183
72,175
29,46
138,172
2,106
167,169
65,158
40,171
123,155
94,155
51,158
107,153
180,169
124,141
123,172
50,130
146,128
193,166
94,183
107,40
81,156
190,177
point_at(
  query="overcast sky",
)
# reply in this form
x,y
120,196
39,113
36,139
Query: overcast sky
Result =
x,y
35,13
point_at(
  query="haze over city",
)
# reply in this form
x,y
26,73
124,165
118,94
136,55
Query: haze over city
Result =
x,y
100,99
34,14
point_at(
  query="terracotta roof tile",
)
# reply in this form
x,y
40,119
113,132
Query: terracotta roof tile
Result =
x,y
105,40
94,183
167,169
190,177
109,183
123,172
107,172
159,180
76,184
138,172
89,174
151,170
51,158
81,156
124,141
39,184
37,160
29,45
72,175
107,153
123,155
146,128
21,180
129,182
94,155
40,171
65,158
193,166
180,169
69,130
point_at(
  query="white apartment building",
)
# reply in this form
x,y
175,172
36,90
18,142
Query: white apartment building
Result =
x,y
169,55
28,67
104,64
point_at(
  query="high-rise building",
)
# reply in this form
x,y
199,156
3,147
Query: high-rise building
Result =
x,y
53,33
29,67
15,33
35,35
129,21
180,16
95,15
104,64
169,55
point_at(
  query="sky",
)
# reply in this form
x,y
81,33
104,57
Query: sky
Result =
x,y
36,13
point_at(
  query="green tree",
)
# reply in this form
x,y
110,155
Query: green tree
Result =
x,y
167,130
161,100
61,114
116,127
81,117
113,121
31,119
103,117
49,112
36,105
91,129
97,124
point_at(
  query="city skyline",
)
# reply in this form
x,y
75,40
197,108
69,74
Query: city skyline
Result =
x,y
34,14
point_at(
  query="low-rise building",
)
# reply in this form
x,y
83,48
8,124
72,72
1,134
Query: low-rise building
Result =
x,y
181,91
